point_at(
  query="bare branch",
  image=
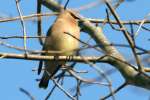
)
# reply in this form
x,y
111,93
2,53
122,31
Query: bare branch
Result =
x,y
23,27
62,89
61,58
115,91
127,36
27,93
26,17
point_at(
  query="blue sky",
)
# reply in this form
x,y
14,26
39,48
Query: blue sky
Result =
x,y
18,73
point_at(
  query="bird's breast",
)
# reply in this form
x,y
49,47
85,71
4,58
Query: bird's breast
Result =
x,y
64,37
64,42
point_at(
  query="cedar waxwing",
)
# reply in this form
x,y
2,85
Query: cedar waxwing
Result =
x,y
58,40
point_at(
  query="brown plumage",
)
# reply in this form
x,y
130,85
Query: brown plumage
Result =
x,y
58,39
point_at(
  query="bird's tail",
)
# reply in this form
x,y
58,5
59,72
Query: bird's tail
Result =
x,y
49,73
44,81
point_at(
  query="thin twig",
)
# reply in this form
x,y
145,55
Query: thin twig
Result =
x,y
23,26
115,7
52,90
89,81
63,90
110,22
100,72
108,72
78,92
65,7
141,24
115,91
127,36
27,17
20,37
27,93
50,93
86,46
87,6
136,22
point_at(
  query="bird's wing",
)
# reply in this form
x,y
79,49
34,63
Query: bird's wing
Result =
x,y
41,63
44,48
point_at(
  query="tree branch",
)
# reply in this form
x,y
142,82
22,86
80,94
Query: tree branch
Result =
x,y
130,74
51,58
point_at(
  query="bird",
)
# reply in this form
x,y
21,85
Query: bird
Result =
x,y
62,36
